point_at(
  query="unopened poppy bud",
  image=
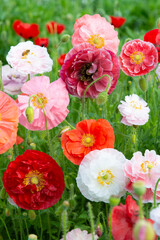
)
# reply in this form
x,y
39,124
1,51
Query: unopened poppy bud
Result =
x,y
99,230
143,230
24,214
129,83
102,98
3,193
139,188
32,214
133,138
114,201
30,114
66,204
65,38
143,84
32,237
64,129
33,146
7,212
69,16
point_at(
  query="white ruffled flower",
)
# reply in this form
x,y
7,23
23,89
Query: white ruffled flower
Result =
x,y
134,110
77,234
101,175
155,216
28,58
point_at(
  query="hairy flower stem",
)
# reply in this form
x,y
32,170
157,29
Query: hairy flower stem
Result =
x,y
83,98
64,223
141,208
91,220
110,224
40,221
49,224
9,238
155,191
48,135
65,121
1,82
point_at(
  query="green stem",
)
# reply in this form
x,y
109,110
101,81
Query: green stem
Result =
x,y
49,141
20,223
1,82
26,227
5,228
84,94
110,224
91,220
141,207
68,124
103,219
49,224
155,191
40,221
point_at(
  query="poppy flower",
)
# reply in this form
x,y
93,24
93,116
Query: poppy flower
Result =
x,y
95,30
88,136
19,140
61,59
26,30
153,36
124,218
85,63
54,27
8,122
138,57
117,22
43,42
78,234
34,180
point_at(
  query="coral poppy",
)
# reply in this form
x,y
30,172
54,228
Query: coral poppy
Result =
x,y
43,42
54,97
153,36
124,218
61,59
54,27
8,122
96,31
138,57
117,22
34,180
88,136
26,30
85,63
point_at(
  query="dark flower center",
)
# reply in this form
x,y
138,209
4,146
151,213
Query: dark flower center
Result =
x,y
85,75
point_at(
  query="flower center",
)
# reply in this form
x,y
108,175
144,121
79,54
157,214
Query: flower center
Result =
x,y
25,54
147,165
36,102
105,177
135,105
36,178
137,57
84,73
88,140
96,41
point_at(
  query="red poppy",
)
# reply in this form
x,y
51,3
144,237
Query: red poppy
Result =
x,y
88,136
19,140
117,22
26,30
34,180
43,42
123,219
153,36
61,59
54,27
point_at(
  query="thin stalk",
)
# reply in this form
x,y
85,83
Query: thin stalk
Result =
x,y
20,223
1,82
6,228
110,224
49,224
155,191
68,124
141,207
26,227
91,220
40,221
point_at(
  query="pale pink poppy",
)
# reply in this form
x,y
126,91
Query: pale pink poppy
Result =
x,y
78,234
54,97
145,168
95,30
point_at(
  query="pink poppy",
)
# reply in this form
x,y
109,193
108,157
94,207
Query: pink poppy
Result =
x,y
84,64
54,97
96,31
138,57
145,168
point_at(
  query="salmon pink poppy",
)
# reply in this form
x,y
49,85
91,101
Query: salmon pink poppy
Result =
x,y
117,22
54,27
43,42
61,59
95,30
34,180
88,136
138,57
26,30
8,122
153,36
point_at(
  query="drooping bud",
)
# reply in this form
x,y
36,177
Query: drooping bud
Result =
x,y
143,230
99,230
102,98
32,214
33,146
29,114
7,212
65,38
139,188
32,237
143,84
114,201
65,204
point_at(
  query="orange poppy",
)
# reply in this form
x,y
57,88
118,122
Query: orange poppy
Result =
x,y
88,136
8,122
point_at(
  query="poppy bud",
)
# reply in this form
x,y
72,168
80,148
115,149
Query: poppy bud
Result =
x,y
32,214
133,138
143,230
102,98
32,237
114,201
65,204
99,229
65,38
30,114
64,129
143,84
33,146
139,188
69,16
129,83
7,212
24,214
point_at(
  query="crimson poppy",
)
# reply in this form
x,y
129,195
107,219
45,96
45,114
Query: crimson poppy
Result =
x,y
26,30
43,42
61,59
54,27
117,22
153,36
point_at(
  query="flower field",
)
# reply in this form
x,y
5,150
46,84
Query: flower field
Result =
x,y
79,120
